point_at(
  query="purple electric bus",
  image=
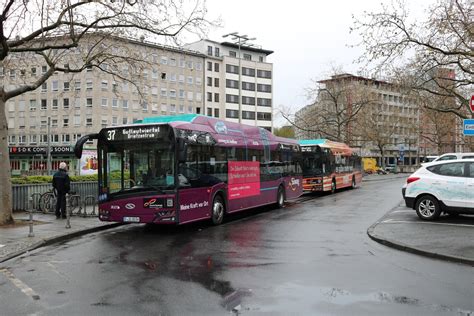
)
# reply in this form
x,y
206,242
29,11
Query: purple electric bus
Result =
x,y
186,168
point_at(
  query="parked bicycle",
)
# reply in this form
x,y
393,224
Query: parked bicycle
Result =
x,y
47,201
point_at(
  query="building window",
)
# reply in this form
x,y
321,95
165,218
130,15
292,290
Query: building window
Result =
x,y
114,121
89,103
33,71
262,116
66,138
181,78
89,121
181,94
77,85
231,98
209,81
189,64
66,121
209,66
22,139
125,104
248,100
216,97
104,122
164,92
66,103
216,67
231,69
182,63
234,84
163,76
248,115
248,72
89,85
190,80
124,121
264,102
216,82
198,81
232,53
66,85
77,120
44,69
216,112
164,60
144,106
173,62
216,52
54,123
55,85
264,74
44,87
104,102
249,86
32,105
264,88
44,104
209,97
247,57
209,50
198,65
54,104
173,93
173,108
190,95
104,85
260,59
232,113
209,111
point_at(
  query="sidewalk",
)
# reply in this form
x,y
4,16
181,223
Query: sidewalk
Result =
x,y
14,241
383,177
449,238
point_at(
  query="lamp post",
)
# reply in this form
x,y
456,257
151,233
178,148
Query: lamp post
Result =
x,y
240,40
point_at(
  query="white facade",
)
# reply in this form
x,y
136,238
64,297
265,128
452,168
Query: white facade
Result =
x,y
227,70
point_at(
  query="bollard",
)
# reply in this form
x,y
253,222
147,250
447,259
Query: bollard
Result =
x,y
68,217
31,234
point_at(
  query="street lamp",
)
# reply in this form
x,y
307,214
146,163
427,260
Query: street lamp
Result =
x,y
240,40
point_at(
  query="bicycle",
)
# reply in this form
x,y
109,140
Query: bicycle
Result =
x,y
47,201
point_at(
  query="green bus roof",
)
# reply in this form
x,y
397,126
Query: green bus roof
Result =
x,y
309,142
168,118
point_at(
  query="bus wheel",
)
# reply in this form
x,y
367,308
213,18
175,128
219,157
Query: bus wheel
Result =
x,y
218,210
280,197
333,186
354,184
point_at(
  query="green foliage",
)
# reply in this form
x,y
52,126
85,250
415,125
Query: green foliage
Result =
x,y
49,179
285,131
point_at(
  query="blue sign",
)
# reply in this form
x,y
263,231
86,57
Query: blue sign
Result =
x,y
468,127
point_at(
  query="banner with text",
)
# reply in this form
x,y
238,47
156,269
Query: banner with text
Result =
x,y
244,179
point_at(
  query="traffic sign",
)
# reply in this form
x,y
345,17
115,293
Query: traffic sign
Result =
x,y
468,127
471,104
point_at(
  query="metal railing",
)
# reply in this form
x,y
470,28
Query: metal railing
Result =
x,y
22,193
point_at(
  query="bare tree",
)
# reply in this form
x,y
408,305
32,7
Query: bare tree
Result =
x,y
49,32
424,49
337,103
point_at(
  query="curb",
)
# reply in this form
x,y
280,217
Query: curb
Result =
x,y
60,238
414,250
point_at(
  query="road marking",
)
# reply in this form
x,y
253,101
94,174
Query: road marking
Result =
x,y
1,246
392,221
19,284
408,211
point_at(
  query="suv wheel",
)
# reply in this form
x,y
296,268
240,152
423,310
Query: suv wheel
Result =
x,y
427,208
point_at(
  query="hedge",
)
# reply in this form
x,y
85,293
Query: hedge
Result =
x,y
49,179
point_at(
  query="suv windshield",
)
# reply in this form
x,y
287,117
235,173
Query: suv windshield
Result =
x,y
139,166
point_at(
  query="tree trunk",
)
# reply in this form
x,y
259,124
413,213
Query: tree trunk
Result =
x,y
5,176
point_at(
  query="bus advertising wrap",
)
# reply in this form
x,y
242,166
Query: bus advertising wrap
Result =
x,y
244,179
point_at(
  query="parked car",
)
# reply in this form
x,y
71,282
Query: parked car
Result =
x,y
443,186
453,156
391,168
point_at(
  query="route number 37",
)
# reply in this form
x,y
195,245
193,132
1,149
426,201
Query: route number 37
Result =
x,y
111,135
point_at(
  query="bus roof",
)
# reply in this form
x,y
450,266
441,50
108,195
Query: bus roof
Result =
x,y
221,130
335,147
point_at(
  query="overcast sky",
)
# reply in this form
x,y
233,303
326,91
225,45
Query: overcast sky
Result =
x,y
308,38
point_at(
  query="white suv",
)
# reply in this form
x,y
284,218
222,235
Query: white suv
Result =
x,y
443,186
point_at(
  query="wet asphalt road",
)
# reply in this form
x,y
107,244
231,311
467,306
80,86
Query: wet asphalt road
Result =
x,y
311,258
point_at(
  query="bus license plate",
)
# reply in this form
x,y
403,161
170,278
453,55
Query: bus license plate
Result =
x,y
131,219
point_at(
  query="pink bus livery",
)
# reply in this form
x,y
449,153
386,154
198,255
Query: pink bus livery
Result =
x,y
181,169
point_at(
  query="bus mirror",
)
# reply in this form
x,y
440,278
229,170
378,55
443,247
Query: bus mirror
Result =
x,y
80,143
182,150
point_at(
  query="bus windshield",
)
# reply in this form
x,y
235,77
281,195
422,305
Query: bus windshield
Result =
x,y
137,166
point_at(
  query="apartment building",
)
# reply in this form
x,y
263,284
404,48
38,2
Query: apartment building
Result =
x,y
68,105
396,116
238,82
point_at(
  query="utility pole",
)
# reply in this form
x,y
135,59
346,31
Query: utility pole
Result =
x,y
48,152
240,40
